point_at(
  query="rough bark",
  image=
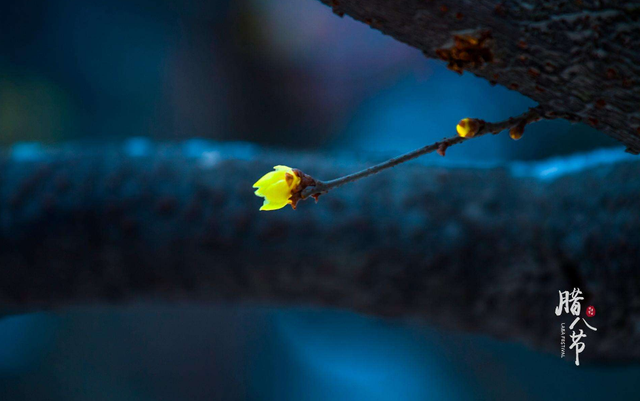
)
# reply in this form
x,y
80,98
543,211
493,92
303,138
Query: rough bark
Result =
x,y
572,56
470,249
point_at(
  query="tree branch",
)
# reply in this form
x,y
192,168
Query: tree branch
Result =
x,y
469,249
577,58
520,122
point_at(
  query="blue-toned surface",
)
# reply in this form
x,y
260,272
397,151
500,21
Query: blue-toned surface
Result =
x,y
169,353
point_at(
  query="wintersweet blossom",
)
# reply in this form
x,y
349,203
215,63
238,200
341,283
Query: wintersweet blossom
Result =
x,y
276,187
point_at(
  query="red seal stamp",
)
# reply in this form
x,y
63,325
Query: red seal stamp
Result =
x,y
591,311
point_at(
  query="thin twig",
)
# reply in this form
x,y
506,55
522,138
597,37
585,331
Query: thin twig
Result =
x,y
533,115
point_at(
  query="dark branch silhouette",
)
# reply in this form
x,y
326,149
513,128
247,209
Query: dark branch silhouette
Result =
x,y
578,58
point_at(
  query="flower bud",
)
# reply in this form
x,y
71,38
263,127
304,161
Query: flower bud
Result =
x,y
276,187
516,132
468,127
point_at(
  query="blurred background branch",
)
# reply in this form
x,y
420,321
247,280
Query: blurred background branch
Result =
x,y
477,249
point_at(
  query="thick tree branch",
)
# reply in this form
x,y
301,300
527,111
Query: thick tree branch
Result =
x,y
578,58
469,249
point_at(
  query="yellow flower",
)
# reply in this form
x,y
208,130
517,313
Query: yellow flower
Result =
x,y
468,127
276,187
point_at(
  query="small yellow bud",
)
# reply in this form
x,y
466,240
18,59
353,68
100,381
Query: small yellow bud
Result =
x,y
516,132
276,187
468,127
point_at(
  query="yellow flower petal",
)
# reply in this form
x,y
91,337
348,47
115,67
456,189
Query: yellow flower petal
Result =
x,y
267,179
267,182
296,181
278,192
273,206
276,187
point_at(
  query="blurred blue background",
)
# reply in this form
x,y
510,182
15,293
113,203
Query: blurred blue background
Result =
x,y
286,74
